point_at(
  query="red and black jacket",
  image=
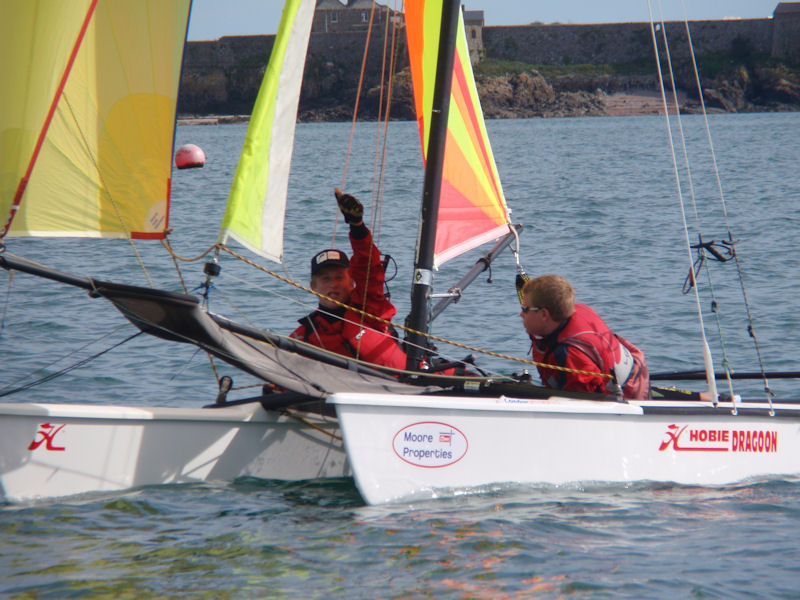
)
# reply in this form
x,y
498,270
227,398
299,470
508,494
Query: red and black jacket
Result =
x,y
585,343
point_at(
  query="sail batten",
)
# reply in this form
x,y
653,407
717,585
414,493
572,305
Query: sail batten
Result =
x,y
89,104
472,208
257,202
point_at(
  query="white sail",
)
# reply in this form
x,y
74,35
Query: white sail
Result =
x,y
257,200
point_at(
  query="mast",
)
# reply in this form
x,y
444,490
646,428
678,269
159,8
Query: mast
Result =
x,y
423,264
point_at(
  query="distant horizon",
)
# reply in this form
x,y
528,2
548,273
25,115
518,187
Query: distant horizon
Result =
x,y
262,17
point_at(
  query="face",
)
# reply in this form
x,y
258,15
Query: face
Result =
x,y
334,282
534,319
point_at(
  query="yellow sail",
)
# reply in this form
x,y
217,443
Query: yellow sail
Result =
x,y
87,117
257,201
472,207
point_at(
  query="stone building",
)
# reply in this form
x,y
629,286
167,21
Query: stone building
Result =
x,y
473,25
351,16
786,31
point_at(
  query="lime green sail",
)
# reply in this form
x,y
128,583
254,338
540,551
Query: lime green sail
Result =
x,y
256,204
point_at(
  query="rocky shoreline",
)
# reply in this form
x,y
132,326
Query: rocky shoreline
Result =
x,y
528,94
634,103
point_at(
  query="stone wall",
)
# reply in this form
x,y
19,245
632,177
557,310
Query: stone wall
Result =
x,y
619,42
223,76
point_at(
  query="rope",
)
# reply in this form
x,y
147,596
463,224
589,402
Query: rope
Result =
x,y
296,416
690,179
5,304
355,114
408,329
166,243
700,247
712,386
64,371
379,164
723,204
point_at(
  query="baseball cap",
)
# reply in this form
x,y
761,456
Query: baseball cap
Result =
x,y
328,258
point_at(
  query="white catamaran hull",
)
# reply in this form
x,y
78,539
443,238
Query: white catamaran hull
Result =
x,y
52,450
423,447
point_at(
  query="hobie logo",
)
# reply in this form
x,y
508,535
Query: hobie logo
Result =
x,y
430,444
696,439
48,433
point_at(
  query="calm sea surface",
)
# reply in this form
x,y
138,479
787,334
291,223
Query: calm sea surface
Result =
x,y
598,200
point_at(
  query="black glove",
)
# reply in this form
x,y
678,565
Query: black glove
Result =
x,y
351,208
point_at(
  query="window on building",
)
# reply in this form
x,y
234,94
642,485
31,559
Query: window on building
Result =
x,y
334,17
474,34
364,16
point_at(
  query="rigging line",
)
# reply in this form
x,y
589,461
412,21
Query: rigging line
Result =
x,y
68,354
174,255
375,162
298,417
390,95
5,304
64,371
355,111
379,165
108,194
707,361
689,177
739,271
166,243
256,327
307,306
409,329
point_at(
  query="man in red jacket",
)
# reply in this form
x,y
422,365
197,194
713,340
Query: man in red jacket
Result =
x,y
570,335
357,282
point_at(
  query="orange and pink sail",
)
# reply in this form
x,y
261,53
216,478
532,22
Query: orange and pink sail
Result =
x,y
472,208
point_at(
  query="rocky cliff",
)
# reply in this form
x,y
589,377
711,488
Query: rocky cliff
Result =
x,y
222,78
328,94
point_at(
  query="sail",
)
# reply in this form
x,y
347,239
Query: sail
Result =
x,y
257,200
87,115
472,208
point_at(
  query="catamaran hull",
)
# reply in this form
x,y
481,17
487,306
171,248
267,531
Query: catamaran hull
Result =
x,y
425,447
51,450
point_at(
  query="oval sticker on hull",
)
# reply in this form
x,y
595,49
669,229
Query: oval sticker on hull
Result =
x,y
430,444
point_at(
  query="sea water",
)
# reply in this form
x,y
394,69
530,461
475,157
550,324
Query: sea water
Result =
x,y
598,200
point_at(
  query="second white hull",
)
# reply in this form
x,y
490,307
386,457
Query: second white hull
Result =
x,y
51,450
424,447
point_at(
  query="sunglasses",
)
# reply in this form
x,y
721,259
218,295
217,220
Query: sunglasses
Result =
x,y
526,309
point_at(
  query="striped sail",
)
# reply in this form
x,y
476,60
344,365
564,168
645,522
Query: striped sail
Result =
x,y
256,204
472,207
87,115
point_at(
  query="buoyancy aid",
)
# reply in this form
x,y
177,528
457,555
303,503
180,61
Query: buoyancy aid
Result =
x,y
348,332
585,343
324,330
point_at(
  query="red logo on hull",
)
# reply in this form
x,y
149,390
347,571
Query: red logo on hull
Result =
x,y
718,440
48,432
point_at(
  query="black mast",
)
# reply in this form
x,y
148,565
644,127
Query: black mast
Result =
x,y
423,265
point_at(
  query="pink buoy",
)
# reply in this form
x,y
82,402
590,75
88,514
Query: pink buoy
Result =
x,y
189,157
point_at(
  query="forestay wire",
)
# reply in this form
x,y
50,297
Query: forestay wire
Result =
x,y
750,328
700,246
707,360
